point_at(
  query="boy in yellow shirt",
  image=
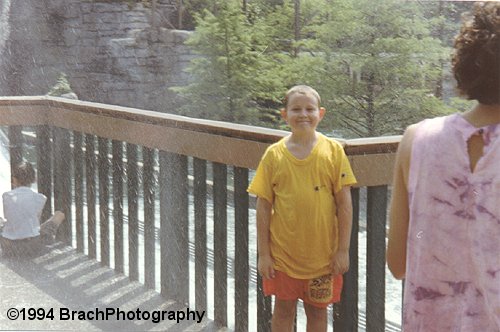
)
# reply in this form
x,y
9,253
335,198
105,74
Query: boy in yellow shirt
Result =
x,y
304,215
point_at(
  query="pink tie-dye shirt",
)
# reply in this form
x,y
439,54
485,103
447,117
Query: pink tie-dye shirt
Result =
x,y
453,258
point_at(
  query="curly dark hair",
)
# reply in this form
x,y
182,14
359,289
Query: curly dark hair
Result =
x,y
476,61
24,173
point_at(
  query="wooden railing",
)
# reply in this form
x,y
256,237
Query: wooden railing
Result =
x,y
94,159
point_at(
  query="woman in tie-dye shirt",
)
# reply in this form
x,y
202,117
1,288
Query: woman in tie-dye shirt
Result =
x,y
444,237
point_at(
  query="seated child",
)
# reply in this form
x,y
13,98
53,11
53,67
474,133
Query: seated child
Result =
x,y
21,233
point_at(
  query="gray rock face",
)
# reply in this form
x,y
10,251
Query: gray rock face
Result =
x,y
109,50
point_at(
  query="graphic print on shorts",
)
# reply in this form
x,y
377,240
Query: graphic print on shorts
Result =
x,y
320,289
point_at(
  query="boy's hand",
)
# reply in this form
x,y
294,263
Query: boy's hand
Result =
x,y
340,262
265,265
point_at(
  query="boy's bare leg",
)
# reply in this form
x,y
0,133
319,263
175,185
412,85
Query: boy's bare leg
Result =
x,y
316,318
283,315
49,228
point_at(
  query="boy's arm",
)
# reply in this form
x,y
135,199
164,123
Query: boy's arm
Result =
x,y
399,208
340,261
265,260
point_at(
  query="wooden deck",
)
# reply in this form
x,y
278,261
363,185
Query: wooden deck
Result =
x,y
66,281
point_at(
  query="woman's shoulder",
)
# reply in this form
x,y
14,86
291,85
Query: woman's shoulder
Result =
x,y
436,123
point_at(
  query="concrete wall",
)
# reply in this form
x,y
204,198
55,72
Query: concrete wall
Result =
x,y
109,50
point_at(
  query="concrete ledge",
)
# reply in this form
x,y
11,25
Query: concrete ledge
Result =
x,y
67,281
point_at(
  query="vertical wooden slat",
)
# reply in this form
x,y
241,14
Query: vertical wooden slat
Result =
x,y
62,182
90,166
44,168
78,182
103,161
220,243
15,146
346,312
375,258
174,227
66,228
133,211
164,197
149,217
241,270
264,308
200,232
57,137
118,175
402,299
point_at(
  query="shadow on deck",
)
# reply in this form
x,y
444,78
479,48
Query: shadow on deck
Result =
x,y
63,279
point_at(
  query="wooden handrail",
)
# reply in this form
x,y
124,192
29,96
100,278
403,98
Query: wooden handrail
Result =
x,y
232,144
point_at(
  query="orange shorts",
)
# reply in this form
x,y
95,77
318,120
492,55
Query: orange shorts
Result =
x,y
319,292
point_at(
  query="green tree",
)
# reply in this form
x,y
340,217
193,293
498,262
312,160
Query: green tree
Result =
x,y
379,65
376,64
189,9
224,74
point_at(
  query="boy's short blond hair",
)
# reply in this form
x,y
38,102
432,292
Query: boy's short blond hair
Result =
x,y
301,89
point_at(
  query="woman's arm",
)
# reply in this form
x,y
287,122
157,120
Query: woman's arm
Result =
x,y
399,208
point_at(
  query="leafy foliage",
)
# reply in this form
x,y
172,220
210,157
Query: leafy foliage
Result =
x,y
378,65
227,71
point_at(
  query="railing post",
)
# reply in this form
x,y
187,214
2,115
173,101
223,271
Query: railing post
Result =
x,y
375,258
90,166
104,199
15,145
149,182
220,243
44,167
133,211
174,227
241,269
118,175
345,316
62,181
264,308
200,232
78,173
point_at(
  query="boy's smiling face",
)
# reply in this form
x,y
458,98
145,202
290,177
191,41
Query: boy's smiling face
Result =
x,y
303,113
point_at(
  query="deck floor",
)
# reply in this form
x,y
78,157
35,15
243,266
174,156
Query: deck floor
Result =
x,y
66,281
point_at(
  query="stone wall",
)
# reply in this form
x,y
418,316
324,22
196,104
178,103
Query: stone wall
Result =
x,y
109,51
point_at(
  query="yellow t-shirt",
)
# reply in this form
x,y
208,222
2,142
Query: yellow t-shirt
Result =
x,y
304,226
